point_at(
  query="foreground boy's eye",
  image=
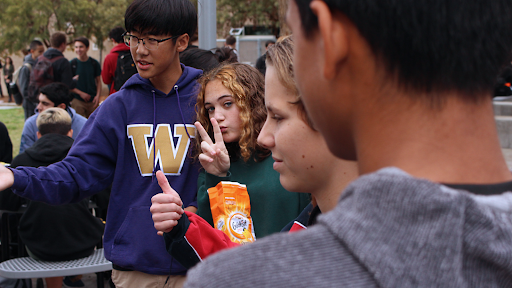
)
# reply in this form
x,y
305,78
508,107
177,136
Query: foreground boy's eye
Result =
x,y
210,110
228,104
152,42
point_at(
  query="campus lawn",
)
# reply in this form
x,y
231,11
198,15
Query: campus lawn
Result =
x,y
14,120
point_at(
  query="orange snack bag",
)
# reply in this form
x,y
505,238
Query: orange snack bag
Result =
x,y
231,211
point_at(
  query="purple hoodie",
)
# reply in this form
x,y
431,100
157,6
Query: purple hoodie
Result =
x,y
116,147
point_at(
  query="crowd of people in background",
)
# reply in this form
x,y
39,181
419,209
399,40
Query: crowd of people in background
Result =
x,y
366,137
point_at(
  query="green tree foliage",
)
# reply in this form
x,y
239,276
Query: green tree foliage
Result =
x,y
237,13
24,20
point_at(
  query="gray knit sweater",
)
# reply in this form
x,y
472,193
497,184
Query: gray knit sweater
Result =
x,y
388,230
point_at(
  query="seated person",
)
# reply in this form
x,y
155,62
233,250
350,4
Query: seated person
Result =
x,y
302,158
5,145
52,95
55,233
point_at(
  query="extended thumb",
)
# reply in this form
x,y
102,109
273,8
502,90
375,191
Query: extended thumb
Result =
x,y
162,181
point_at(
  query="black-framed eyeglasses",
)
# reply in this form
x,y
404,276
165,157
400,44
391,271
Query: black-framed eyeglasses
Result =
x,y
150,43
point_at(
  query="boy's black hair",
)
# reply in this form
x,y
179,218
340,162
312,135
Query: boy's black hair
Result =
x,y
57,93
431,45
117,34
225,54
161,17
34,44
82,40
199,59
230,40
269,42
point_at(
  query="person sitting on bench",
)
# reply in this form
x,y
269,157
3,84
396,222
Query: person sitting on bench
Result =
x,y
55,233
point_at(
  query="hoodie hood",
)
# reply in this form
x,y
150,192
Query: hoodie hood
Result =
x,y
28,59
188,76
50,148
52,52
411,232
120,47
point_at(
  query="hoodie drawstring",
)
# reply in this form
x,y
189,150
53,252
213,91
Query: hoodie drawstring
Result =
x,y
153,176
181,112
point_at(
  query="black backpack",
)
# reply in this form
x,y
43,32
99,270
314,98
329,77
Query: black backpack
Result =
x,y
124,70
41,75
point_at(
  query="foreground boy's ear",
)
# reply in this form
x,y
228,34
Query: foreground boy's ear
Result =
x,y
182,42
333,34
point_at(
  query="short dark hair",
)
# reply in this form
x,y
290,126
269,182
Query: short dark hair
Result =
x,y
161,17
117,34
58,93
57,39
199,59
225,54
54,121
230,40
431,45
34,44
83,40
269,42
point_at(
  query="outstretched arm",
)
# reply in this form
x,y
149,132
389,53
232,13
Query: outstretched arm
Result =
x,y
6,178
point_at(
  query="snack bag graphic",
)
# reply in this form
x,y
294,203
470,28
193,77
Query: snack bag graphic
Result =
x,y
231,211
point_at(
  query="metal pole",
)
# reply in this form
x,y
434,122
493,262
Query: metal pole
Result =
x,y
207,23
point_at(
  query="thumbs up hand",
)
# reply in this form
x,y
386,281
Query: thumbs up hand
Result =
x,y
166,207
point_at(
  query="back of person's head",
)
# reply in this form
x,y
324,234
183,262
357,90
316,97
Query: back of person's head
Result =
x,y
230,40
83,40
225,55
34,44
194,37
269,42
58,93
161,17
57,39
247,87
117,34
54,120
431,46
280,57
199,59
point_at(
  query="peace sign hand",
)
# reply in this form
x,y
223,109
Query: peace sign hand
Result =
x,y
215,157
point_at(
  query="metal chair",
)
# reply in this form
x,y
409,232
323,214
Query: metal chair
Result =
x,y
27,267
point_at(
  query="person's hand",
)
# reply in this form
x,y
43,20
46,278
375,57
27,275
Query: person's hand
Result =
x,y
75,77
6,178
215,156
85,96
96,101
166,206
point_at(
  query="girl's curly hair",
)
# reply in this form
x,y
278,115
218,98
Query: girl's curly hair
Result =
x,y
247,87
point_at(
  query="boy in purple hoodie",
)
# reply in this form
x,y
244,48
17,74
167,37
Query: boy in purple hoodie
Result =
x,y
144,127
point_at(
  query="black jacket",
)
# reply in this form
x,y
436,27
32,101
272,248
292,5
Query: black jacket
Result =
x,y
61,68
5,145
54,233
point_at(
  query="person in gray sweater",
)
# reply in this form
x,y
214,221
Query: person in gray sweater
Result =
x,y
404,88
36,49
